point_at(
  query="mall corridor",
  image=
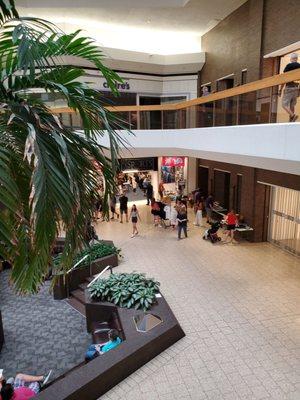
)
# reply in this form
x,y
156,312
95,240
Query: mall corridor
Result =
x,y
238,305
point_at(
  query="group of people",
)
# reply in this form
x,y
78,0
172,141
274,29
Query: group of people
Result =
x,y
163,210
138,179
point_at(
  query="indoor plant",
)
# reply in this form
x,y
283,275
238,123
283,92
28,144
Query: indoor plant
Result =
x,y
49,174
130,290
95,252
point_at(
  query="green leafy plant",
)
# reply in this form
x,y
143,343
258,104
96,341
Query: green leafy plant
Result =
x,y
126,290
96,251
49,174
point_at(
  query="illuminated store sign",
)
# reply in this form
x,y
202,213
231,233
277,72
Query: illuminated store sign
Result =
x,y
173,161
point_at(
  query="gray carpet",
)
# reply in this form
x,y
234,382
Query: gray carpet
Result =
x,y
40,333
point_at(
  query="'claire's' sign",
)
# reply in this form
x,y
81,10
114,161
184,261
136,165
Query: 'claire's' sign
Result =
x,y
120,86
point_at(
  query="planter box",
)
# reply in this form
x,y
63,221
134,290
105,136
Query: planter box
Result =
x,y
90,381
70,282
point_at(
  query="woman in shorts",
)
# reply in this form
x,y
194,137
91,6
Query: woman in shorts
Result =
x,y
231,221
134,216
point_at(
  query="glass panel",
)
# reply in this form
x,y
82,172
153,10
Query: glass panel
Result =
x,y
123,120
226,112
76,121
247,109
170,119
133,120
146,322
66,119
205,115
151,120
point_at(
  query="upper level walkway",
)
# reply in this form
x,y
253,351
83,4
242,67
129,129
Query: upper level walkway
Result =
x,y
244,125
271,146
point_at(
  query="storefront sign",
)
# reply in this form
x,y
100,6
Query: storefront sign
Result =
x,y
119,86
173,161
140,164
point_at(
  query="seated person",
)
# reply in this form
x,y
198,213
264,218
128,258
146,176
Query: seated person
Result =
x,y
95,349
23,387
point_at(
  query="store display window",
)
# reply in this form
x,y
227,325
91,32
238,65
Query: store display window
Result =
x,y
173,172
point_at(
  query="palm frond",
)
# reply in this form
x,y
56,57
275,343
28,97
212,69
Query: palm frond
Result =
x,y
49,174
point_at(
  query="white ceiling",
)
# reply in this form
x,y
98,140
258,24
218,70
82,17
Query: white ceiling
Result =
x,y
151,26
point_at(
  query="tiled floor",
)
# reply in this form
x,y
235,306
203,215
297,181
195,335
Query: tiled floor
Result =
x,y
239,305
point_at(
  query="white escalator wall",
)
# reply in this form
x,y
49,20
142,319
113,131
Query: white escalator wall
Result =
x,y
285,219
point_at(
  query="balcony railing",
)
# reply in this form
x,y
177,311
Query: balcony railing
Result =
x,y
256,102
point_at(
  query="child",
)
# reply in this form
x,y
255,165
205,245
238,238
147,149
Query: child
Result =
x,y
134,216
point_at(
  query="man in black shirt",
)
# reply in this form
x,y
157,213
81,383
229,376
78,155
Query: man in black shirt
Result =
x,y
149,193
291,90
123,199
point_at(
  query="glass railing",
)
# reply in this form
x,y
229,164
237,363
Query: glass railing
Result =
x,y
258,102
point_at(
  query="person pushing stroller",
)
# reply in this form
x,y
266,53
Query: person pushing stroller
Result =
x,y
212,232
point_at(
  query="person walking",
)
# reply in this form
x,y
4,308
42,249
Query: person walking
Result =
x,y
199,209
149,193
134,185
99,208
161,190
113,202
291,90
123,199
231,221
209,203
145,185
182,221
134,216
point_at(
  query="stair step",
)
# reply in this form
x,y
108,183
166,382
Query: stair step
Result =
x,y
79,295
89,278
83,286
75,303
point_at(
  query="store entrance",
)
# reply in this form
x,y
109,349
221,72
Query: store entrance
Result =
x,y
134,183
284,227
203,180
133,171
222,188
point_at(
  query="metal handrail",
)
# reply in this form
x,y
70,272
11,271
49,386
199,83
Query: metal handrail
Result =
x,y
78,262
101,273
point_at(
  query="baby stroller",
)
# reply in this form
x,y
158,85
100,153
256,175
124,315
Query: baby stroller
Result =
x,y
211,233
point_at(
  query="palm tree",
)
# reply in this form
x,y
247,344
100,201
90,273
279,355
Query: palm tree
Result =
x,y
49,177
